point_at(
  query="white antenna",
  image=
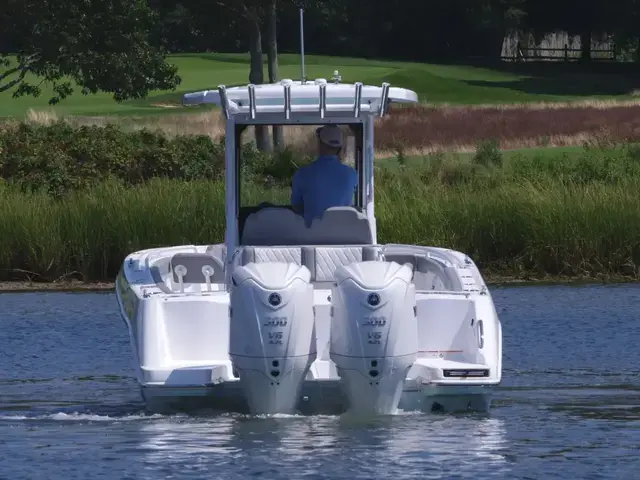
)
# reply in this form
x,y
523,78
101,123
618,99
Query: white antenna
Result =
x,y
304,76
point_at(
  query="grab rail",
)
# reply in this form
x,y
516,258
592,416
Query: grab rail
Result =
x,y
357,108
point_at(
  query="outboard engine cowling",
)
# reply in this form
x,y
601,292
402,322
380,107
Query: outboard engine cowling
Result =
x,y
374,333
272,333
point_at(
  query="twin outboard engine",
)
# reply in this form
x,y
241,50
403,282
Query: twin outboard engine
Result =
x,y
374,333
272,333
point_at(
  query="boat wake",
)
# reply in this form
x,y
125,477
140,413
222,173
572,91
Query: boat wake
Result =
x,y
581,393
125,414
79,417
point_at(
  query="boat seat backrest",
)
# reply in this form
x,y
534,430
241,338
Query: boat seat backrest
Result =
x,y
321,261
271,254
272,226
194,262
281,226
341,226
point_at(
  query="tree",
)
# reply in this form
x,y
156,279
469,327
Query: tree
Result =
x,y
259,14
96,45
256,72
627,31
587,18
252,11
272,62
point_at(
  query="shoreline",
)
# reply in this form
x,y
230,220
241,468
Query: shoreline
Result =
x,y
491,280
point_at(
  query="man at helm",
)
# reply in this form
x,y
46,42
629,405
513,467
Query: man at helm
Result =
x,y
326,182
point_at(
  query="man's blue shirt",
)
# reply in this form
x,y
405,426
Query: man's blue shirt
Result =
x,y
325,183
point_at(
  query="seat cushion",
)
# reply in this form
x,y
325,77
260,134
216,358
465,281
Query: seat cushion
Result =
x,y
322,261
271,254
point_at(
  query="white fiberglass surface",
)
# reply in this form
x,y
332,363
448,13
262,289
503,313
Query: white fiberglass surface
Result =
x,y
309,94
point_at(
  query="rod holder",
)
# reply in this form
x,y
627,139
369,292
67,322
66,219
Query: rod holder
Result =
x,y
252,100
287,101
384,98
224,101
181,272
358,100
323,99
208,272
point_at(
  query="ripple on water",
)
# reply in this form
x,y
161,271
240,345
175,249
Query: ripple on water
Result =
x,y
569,406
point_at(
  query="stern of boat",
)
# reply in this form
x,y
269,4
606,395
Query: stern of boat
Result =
x,y
176,308
459,333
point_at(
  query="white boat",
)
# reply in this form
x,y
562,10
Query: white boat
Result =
x,y
282,318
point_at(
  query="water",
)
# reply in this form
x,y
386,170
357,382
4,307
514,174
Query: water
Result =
x,y
569,406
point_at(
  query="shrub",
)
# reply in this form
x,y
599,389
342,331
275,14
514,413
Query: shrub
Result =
x,y
58,158
488,154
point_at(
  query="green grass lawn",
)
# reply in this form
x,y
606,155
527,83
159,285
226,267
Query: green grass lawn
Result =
x,y
434,83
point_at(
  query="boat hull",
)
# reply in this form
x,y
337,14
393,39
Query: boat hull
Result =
x,y
180,338
318,397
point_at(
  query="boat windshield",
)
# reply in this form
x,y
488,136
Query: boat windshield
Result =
x,y
265,178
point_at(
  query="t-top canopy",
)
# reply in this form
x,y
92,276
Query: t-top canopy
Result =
x,y
296,98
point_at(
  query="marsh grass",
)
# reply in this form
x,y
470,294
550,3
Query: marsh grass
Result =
x,y
421,129
516,221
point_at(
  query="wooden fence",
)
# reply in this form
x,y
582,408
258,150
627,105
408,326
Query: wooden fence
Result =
x,y
566,54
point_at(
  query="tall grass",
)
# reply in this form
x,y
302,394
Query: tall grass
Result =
x,y
73,204
518,227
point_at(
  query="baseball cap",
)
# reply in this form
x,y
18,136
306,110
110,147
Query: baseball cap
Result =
x,y
330,135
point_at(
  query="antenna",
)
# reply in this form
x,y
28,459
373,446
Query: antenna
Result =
x,y
304,76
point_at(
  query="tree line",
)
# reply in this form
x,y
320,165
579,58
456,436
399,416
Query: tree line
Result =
x,y
411,30
120,46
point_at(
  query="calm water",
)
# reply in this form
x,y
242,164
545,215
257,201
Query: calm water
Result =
x,y
569,406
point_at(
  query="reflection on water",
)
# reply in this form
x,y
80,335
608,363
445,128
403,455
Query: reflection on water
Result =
x,y
569,406
473,445
406,445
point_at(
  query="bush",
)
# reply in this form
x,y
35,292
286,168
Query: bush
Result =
x,y
488,154
59,158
